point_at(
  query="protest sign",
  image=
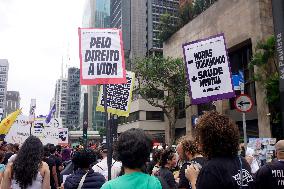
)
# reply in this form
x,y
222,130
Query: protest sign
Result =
x,y
118,97
208,70
63,136
101,56
20,130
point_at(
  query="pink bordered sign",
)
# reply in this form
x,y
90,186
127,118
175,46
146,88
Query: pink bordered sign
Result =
x,y
243,103
101,56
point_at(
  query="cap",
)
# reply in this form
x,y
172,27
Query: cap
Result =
x,y
279,146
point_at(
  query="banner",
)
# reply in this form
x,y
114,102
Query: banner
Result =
x,y
47,133
118,97
208,70
101,56
63,136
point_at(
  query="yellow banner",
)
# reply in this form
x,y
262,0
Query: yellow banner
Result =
x,y
118,97
6,123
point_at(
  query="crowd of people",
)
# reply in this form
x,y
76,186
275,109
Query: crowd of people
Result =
x,y
213,159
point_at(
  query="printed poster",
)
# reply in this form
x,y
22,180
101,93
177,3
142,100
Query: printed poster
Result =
x,y
208,70
101,56
63,136
118,97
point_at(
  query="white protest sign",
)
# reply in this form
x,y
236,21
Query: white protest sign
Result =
x,y
208,70
20,131
63,136
101,56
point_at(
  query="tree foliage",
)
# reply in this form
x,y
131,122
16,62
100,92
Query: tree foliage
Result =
x,y
166,75
268,75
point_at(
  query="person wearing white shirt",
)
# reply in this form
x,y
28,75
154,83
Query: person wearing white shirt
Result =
x,y
102,168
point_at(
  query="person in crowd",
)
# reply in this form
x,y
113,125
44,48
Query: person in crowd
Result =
x,y
271,174
52,167
189,154
167,163
84,177
9,153
28,171
102,167
218,138
156,156
133,149
57,160
66,155
251,159
16,148
2,166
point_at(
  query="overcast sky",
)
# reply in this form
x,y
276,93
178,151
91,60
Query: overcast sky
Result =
x,y
34,36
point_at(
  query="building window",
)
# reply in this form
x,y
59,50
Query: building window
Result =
x,y
239,61
154,115
134,116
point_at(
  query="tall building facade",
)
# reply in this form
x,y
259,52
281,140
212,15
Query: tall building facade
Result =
x,y
4,68
12,101
73,99
139,21
60,99
96,15
156,8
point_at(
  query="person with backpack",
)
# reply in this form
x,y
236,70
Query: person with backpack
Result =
x,y
101,167
84,177
133,149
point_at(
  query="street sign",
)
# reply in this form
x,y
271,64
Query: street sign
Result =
x,y
243,103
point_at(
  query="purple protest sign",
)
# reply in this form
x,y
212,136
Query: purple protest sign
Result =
x,y
208,69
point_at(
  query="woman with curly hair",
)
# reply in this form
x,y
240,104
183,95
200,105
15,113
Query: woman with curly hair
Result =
x,y
28,171
218,138
188,154
133,149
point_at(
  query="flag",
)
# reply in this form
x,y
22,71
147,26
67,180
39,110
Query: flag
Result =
x,y
6,123
51,112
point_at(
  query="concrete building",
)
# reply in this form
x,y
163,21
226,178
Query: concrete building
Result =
x,y
73,99
154,11
12,101
4,68
139,21
96,15
60,98
243,23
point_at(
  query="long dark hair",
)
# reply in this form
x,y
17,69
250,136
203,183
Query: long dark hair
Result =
x,y
28,162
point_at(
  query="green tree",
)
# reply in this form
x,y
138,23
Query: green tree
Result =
x,y
268,75
162,84
167,27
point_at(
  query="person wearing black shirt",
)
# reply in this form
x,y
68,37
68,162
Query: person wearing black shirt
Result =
x,y
57,160
167,162
218,138
271,175
52,168
188,153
